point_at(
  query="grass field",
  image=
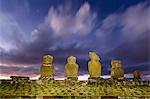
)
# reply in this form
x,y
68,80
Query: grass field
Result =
x,y
60,88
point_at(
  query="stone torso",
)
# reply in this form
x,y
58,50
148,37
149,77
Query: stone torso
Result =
x,y
116,70
94,66
71,70
47,68
71,67
94,69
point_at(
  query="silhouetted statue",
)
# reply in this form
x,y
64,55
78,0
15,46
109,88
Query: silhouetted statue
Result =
x,y
136,75
71,68
116,70
47,68
94,66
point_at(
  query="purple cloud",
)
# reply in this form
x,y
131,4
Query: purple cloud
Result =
x,y
120,35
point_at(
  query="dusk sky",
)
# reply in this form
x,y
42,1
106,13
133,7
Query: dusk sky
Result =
x,y
114,29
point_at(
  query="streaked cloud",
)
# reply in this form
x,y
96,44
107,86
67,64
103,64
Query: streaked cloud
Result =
x,y
81,23
120,35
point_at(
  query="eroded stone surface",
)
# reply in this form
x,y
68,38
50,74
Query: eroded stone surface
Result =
x,y
136,75
71,68
94,66
47,68
117,71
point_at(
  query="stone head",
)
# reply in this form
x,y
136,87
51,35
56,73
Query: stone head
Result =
x,y
116,63
94,56
71,59
47,59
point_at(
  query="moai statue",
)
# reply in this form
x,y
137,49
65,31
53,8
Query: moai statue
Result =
x,y
72,68
47,68
137,75
94,66
116,70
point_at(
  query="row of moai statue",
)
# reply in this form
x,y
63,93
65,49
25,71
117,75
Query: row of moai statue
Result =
x,y
71,68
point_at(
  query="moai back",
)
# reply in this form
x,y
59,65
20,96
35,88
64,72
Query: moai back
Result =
x,y
116,70
47,68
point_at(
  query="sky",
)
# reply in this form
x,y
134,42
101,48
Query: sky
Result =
x,y
116,29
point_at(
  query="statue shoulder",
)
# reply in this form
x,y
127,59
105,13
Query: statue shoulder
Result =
x,y
67,65
89,63
76,65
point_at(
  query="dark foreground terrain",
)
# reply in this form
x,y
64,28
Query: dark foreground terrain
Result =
x,y
61,89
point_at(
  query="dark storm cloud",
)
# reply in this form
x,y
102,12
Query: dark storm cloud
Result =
x,y
119,36
134,53
128,36
132,34
47,35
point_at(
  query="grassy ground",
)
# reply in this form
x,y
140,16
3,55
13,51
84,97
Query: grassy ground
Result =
x,y
35,88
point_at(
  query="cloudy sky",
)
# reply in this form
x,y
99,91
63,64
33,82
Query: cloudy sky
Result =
x,y
116,29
